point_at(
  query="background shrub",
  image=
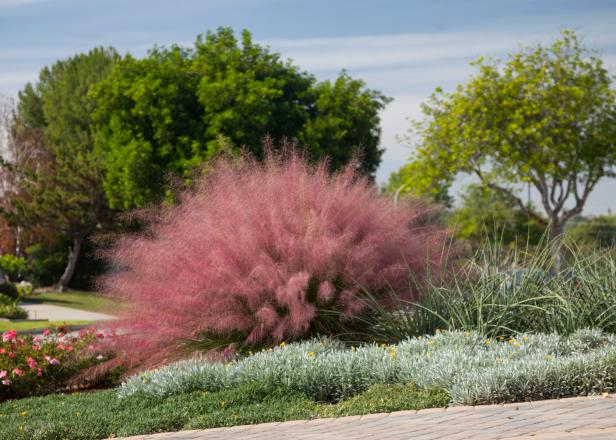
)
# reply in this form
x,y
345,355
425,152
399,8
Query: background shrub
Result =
x,y
264,252
9,290
46,262
14,267
12,311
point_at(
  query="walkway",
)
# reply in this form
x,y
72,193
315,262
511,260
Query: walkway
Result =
x,y
567,419
57,313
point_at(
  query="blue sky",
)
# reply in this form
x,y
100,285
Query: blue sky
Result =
x,y
402,48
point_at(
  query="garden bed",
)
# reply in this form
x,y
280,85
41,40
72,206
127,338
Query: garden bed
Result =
x,y
324,378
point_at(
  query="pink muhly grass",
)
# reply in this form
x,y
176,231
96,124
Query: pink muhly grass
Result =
x,y
258,249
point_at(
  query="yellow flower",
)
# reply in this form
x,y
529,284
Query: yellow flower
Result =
x,y
525,338
430,342
311,353
222,403
282,344
23,414
488,341
353,348
501,338
21,429
467,333
78,414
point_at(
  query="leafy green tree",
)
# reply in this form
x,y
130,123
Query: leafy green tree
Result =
x,y
547,116
60,184
178,107
343,119
113,129
410,180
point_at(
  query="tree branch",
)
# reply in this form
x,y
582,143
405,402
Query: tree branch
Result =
x,y
508,193
581,201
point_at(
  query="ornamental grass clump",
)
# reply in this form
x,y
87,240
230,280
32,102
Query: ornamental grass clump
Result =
x,y
261,252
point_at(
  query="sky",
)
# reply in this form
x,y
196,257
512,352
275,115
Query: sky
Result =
x,y
404,49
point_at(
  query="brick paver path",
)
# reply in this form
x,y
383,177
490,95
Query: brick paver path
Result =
x,y
568,419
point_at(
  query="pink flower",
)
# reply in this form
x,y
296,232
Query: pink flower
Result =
x,y
47,358
18,372
36,347
9,336
46,332
32,363
69,348
11,355
6,382
2,350
54,361
36,340
39,372
60,347
3,374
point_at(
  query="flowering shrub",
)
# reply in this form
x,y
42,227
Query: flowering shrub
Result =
x,y
264,252
32,365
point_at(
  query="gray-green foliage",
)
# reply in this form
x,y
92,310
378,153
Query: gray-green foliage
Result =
x,y
471,368
497,294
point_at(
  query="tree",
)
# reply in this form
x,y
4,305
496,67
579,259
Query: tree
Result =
x,y
405,182
20,150
177,108
546,117
61,187
343,120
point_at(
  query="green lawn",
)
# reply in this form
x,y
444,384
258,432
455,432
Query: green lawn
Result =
x,y
102,414
89,301
35,325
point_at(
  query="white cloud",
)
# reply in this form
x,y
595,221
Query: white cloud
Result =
x,y
410,66
391,50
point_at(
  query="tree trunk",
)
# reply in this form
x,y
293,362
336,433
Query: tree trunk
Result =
x,y
73,256
555,231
